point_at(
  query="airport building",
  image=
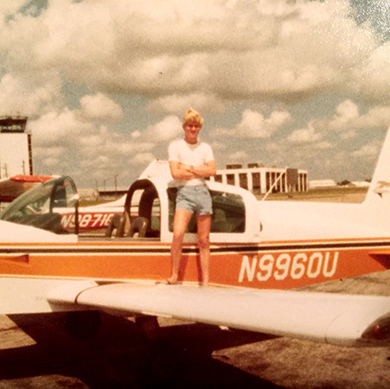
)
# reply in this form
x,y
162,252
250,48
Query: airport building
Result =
x,y
315,184
15,147
259,179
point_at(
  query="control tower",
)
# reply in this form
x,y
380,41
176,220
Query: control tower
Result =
x,y
15,146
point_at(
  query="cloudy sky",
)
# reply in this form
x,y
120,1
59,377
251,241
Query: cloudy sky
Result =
x,y
105,83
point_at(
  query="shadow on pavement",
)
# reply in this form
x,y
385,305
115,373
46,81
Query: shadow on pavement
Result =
x,y
120,357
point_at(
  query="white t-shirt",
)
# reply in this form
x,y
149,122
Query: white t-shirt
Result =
x,y
198,154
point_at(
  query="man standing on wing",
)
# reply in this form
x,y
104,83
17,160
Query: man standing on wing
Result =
x,y
190,161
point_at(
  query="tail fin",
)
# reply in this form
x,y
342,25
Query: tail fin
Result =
x,y
380,183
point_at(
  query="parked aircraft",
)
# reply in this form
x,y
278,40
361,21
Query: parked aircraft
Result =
x,y
89,217
261,254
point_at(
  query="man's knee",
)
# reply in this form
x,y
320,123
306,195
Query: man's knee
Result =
x,y
178,237
203,241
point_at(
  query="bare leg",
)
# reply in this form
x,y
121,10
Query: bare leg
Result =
x,y
204,223
180,223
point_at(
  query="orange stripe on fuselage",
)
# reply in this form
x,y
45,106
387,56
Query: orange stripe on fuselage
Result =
x,y
267,265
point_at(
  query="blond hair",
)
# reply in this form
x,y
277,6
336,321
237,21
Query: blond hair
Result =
x,y
193,116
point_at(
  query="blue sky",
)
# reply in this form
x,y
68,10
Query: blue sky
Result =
x,y
105,83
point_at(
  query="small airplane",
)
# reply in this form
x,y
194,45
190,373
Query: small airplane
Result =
x,y
89,217
262,252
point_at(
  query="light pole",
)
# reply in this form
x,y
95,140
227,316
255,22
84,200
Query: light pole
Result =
x,y
116,184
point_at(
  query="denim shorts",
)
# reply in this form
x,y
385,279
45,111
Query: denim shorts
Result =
x,y
194,198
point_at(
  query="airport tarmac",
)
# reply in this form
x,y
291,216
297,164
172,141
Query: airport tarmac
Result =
x,y
36,352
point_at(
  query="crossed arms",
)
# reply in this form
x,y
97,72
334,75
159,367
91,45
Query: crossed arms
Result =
x,y
180,171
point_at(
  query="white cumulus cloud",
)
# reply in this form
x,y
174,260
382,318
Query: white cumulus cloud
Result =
x,y
254,125
100,106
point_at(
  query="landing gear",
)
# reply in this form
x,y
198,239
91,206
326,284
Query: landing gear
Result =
x,y
82,325
149,326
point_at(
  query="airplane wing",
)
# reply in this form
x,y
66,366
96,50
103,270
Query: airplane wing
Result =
x,y
348,320
13,187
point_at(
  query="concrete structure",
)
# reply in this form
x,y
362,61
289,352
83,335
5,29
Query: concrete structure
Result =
x,y
361,184
15,147
88,194
259,179
313,184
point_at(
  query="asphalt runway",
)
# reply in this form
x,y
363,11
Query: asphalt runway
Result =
x,y
36,352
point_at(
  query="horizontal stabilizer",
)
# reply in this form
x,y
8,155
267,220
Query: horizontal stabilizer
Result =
x,y
347,320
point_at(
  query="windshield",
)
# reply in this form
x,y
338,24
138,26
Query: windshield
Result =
x,y
45,205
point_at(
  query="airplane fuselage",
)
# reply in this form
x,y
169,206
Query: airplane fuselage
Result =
x,y
267,265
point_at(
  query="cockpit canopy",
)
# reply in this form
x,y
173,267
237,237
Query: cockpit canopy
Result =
x,y
45,205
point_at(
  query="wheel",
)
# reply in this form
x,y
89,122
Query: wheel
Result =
x,y
149,326
83,325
